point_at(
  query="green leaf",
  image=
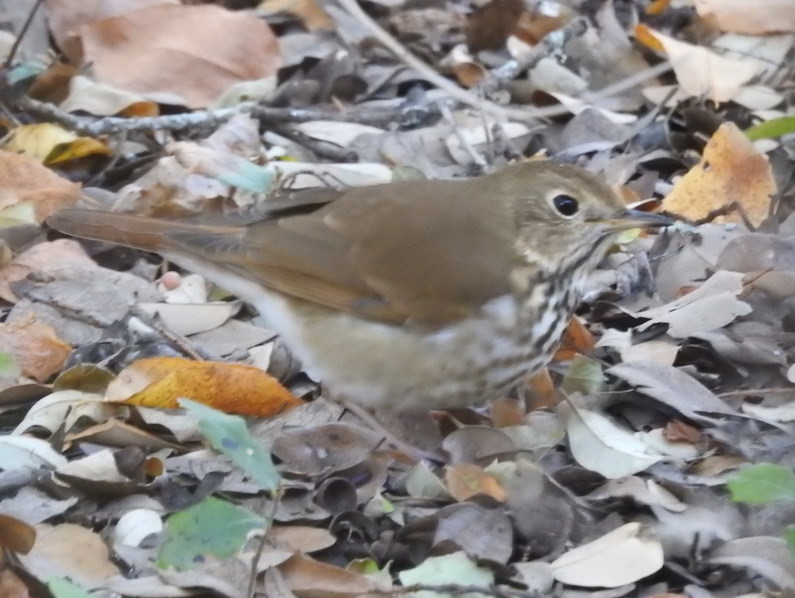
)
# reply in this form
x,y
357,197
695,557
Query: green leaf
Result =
x,y
763,483
228,435
455,568
8,366
771,129
63,588
585,375
246,175
789,536
212,527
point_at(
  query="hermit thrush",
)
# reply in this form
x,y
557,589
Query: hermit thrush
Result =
x,y
410,295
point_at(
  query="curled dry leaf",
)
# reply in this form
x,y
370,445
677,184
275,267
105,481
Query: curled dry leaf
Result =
x,y
180,54
36,348
23,179
465,480
619,557
730,171
229,387
307,577
73,550
702,72
738,16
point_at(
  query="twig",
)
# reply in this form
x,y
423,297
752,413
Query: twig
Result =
x,y
404,115
456,590
627,83
114,124
320,148
21,36
432,76
521,114
755,391
252,580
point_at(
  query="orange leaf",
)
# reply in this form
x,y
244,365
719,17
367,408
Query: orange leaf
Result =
x,y
657,7
731,170
645,37
465,480
230,387
36,348
541,391
576,339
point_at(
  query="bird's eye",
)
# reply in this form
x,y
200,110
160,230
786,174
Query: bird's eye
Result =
x,y
566,205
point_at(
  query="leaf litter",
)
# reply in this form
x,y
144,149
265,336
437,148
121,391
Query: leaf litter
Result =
x,y
605,476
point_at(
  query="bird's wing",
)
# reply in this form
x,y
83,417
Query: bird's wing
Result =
x,y
426,253
429,254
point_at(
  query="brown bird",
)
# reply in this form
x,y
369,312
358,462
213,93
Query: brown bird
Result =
x,y
410,295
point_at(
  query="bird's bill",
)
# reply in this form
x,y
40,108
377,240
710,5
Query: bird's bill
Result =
x,y
637,219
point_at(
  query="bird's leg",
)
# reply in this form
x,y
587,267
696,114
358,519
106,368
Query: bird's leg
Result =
x,y
415,453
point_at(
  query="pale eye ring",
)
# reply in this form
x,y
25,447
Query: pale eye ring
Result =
x,y
565,205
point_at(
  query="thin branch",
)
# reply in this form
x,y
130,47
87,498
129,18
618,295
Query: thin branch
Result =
x,y
460,94
271,516
21,36
110,125
470,99
456,590
403,115
757,391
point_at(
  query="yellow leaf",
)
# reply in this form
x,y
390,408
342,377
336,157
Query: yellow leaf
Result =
x,y
730,170
229,387
465,480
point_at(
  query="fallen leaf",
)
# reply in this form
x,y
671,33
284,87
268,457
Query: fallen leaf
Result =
x,y
730,170
619,557
308,577
24,179
703,72
180,54
465,480
70,550
229,387
36,348
310,12
737,16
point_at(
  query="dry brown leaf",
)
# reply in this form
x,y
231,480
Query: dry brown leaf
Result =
x,y
70,550
704,73
307,577
310,12
730,170
491,24
53,84
16,535
43,258
506,412
36,348
465,480
577,339
541,391
230,387
180,54
756,18
65,17
12,586
24,179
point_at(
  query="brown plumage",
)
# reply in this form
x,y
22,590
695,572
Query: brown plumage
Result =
x,y
409,295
